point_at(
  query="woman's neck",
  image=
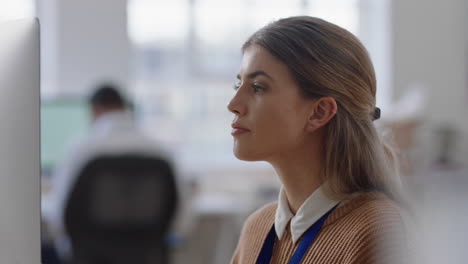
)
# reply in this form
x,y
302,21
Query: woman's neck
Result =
x,y
300,177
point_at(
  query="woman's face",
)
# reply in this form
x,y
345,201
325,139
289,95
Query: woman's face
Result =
x,y
270,115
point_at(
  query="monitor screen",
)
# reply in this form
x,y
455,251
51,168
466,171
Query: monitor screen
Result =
x,y
62,122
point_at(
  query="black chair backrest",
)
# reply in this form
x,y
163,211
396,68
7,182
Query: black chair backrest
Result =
x,y
126,199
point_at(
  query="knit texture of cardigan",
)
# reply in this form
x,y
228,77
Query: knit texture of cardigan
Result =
x,y
366,230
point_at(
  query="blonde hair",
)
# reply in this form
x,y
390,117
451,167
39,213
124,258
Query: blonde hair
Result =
x,y
327,60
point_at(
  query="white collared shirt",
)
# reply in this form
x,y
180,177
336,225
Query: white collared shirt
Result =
x,y
314,207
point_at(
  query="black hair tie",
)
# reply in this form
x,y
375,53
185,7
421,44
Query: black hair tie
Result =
x,y
376,114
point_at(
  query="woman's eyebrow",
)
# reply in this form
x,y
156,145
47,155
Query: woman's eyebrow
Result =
x,y
255,74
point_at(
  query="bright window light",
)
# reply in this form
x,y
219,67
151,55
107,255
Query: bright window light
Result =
x,y
16,9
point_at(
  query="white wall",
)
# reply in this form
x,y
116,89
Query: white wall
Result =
x,y
429,48
83,42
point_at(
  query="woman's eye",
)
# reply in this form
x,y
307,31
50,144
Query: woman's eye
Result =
x,y
236,86
257,88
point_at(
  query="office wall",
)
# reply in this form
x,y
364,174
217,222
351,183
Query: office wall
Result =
x,y
84,42
429,49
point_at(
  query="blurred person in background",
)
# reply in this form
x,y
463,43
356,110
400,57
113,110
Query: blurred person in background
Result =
x,y
305,103
113,131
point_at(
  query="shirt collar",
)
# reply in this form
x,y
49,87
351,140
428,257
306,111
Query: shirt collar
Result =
x,y
314,207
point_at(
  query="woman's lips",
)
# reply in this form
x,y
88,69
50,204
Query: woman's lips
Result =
x,y
238,130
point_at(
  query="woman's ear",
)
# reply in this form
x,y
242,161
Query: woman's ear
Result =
x,y
323,110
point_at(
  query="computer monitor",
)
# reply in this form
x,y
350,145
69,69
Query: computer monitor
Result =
x,y
63,120
19,142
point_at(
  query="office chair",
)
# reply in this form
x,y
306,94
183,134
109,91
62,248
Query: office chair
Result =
x,y
120,210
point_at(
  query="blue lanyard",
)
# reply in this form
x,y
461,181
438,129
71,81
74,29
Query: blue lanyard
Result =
x,y
267,249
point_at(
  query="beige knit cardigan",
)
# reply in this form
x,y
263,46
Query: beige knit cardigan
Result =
x,y
367,229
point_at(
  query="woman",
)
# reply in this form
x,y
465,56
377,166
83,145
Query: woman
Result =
x,y
305,103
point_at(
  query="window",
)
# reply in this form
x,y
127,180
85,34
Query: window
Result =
x,y
16,9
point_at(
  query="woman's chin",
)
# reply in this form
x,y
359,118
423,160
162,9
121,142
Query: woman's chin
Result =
x,y
245,155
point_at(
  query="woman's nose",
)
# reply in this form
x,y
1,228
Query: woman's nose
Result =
x,y
237,104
